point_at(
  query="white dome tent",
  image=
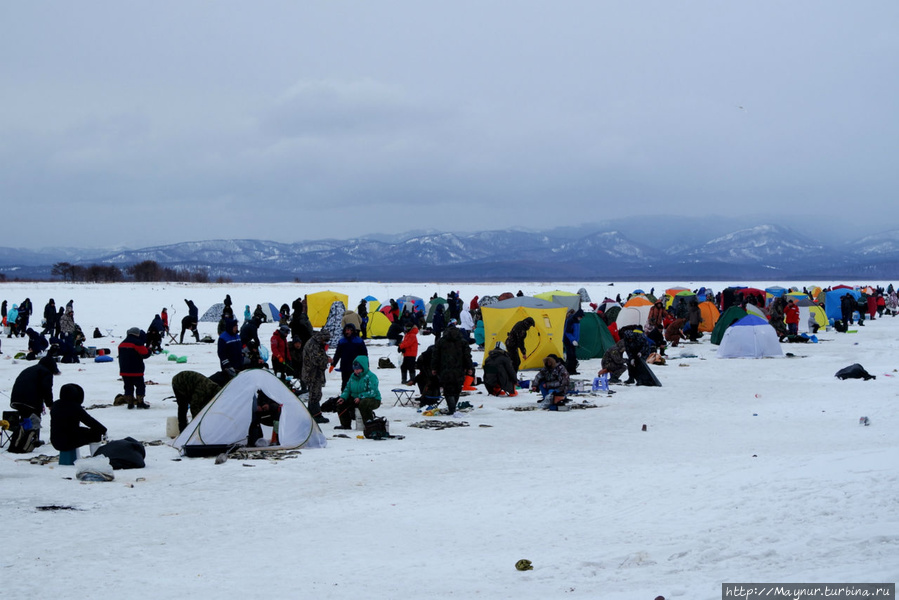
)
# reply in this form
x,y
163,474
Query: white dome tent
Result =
x,y
225,421
750,337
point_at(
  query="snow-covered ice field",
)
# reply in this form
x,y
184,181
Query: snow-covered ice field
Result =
x,y
749,471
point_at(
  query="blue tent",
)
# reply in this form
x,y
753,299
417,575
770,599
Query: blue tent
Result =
x,y
411,301
832,302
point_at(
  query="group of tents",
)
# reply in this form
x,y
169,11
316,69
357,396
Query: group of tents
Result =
x,y
224,422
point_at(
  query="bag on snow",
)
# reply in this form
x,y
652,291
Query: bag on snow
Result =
x,y
376,429
855,371
23,438
385,363
124,454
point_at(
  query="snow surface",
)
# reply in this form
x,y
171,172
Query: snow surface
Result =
x,y
749,471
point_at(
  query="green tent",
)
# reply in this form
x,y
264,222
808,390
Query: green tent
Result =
x,y
595,337
730,316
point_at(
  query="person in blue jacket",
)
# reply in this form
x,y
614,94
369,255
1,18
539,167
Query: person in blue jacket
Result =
x,y
349,347
230,349
571,339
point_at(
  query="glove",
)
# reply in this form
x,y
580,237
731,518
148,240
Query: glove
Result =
x,y
574,343
331,369
231,372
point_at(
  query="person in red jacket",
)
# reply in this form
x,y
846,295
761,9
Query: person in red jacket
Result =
x,y
791,317
132,352
281,352
409,347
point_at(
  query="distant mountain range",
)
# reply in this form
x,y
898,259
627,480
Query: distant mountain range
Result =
x,y
583,253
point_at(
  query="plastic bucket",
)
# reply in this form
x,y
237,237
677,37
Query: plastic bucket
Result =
x,y
171,427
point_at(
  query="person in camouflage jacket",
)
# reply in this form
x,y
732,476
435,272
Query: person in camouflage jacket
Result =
x,y
315,363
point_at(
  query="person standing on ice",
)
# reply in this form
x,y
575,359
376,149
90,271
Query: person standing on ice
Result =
x,y
791,317
132,352
190,320
408,346
450,363
349,347
315,363
230,349
515,341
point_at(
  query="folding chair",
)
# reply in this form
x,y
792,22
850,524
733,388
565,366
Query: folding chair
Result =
x,y
403,396
11,421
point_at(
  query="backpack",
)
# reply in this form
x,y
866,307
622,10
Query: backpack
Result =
x,y
24,438
385,363
376,428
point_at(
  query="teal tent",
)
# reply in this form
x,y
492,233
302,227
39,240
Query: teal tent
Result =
x,y
595,337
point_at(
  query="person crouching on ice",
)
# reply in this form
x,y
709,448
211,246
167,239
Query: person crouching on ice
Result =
x,y
361,392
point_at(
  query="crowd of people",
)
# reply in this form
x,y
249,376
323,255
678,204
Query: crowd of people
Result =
x,y
299,355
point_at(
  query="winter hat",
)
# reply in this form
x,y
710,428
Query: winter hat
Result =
x,y
284,329
135,331
453,322
229,324
50,363
72,392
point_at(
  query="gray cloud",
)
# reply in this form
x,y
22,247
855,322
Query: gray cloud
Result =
x,y
200,120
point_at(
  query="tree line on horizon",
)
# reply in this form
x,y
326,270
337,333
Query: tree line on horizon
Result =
x,y
146,271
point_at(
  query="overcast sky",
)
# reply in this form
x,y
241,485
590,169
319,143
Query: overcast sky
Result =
x,y
147,123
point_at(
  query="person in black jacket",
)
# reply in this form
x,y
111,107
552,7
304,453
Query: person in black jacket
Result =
x,y
37,343
249,332
51,318
33,389
449,363
66,416
189,322
515,341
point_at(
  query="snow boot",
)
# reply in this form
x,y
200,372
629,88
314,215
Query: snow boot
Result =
x,y
451,404
139,403
130,400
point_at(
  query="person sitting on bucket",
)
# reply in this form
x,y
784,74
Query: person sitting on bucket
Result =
x,y
361,392
552,382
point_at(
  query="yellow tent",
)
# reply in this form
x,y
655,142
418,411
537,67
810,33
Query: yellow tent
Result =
x,y
378,324
671,293
543,339
318,305
566,299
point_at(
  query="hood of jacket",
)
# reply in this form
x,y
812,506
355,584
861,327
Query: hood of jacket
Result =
x,y
363,361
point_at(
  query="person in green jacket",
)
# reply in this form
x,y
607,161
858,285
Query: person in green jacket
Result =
x,y
361,392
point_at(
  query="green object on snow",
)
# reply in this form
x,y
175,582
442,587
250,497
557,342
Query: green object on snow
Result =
x,y
524,565
181,360
172,357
